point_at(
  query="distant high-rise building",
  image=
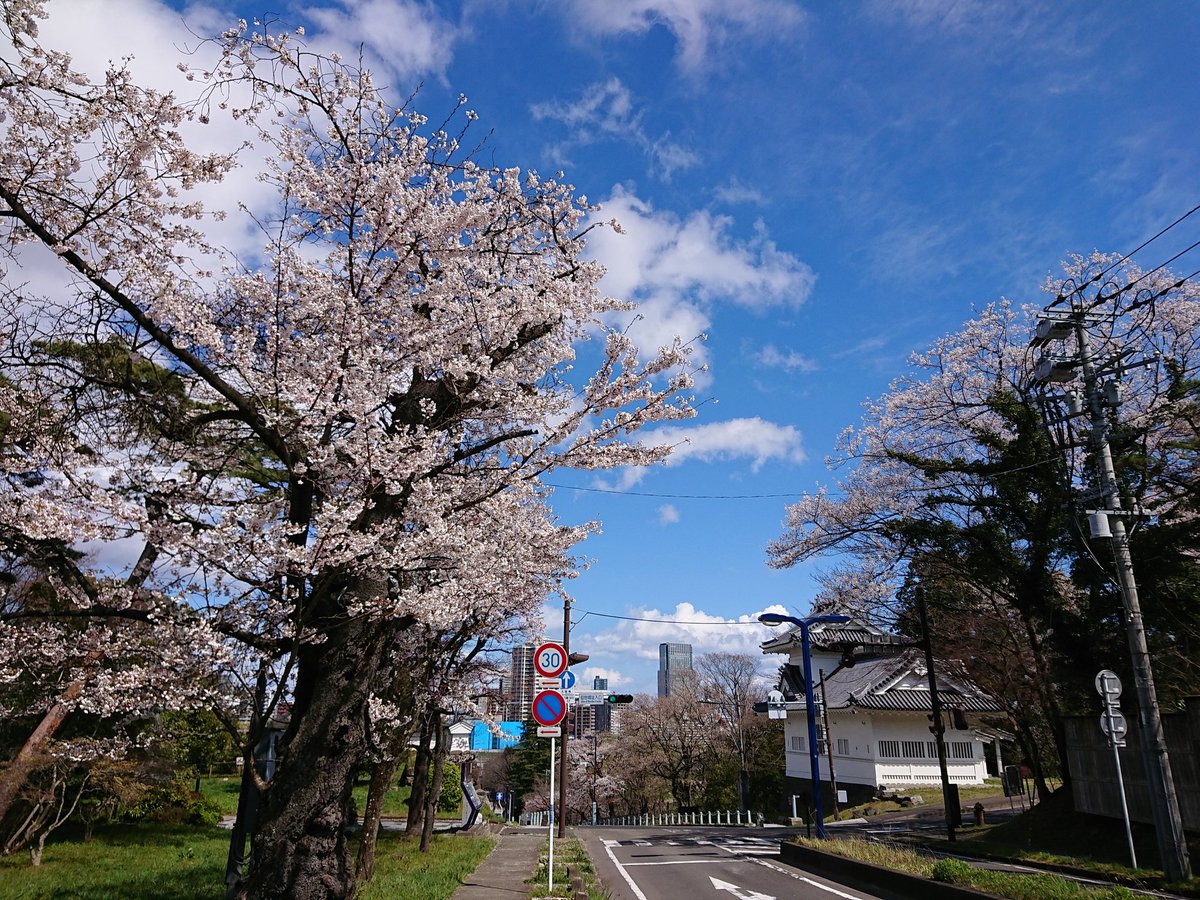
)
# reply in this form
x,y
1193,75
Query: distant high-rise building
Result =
x,y
520,683
674,668
599,684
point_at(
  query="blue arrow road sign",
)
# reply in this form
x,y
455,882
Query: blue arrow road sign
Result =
x,y
549,708
568,680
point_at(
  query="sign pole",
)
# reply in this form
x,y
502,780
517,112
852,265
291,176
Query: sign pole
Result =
x,y
1112,723
566,735
550,866
1124,805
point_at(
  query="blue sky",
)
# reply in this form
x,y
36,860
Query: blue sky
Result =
x,y
821,188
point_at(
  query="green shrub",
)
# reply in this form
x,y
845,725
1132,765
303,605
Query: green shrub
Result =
x,y
175,803
952,871
451,797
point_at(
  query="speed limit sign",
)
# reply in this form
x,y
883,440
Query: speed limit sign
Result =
x,y
550,660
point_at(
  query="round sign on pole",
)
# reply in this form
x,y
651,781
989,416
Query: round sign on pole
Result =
x,y
550,659
1108,684
568,680
1113,724
549,708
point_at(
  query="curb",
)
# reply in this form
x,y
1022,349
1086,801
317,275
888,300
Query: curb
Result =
x,y
874,879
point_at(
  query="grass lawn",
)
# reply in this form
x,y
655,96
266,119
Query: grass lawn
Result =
x,y
930,794
224,790
150,862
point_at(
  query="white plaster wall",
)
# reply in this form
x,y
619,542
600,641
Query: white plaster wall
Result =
x,y
862,765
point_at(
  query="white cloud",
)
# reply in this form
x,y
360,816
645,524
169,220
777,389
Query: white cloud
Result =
x,y
788,360
668,514
734,191
703,29
686,624
662,253
676,268
605,110
615,679
401,39
751,438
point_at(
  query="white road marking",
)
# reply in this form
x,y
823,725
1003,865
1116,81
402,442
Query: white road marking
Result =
x,y
637,891
738,892
799,877
791,873
674,862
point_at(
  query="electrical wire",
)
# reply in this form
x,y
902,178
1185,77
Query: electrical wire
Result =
x,y
594,490
660,621
1142,246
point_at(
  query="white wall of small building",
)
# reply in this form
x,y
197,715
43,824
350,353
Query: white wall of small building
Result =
x,y
858,759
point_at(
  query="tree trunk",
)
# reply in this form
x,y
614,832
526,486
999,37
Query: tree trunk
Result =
x,y
381,779
420,779
17,772
435,785
299,849
13,778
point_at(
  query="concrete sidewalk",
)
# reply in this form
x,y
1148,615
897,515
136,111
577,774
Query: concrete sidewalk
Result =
x,y
507,868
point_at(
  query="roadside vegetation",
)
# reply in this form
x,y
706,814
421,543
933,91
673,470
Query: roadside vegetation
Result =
x,y
954,871
1051,833
570,859
148,862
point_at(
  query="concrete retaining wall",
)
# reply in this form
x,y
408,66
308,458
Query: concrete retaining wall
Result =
x,y
1093,772
886,883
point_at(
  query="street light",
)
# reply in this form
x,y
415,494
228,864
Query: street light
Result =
x,y
814,764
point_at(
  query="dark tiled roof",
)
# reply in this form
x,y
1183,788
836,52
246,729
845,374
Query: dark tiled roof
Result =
x,y
831,636
871,684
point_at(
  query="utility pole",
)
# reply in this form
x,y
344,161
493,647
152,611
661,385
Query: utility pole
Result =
x,y
1109,522
949,798
833,788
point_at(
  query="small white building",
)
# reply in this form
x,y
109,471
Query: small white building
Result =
x,y
876,692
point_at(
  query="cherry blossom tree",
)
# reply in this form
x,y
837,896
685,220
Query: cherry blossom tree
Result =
x,y
350,427
954,480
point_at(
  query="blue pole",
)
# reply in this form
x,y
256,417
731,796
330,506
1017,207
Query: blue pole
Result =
x,y
814,760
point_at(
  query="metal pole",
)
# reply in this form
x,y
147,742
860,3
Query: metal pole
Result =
x,y
1121,789
829,746
938,726
550,861
566,732
814,760
1168,824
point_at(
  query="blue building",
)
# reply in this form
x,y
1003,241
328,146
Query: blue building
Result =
x,y
510,735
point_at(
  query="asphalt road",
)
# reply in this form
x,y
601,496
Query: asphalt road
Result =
x,y
702,863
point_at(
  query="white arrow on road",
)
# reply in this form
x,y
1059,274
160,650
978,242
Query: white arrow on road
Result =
x,y
736,891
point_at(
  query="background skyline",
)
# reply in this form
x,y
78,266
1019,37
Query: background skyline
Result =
x,y
821,189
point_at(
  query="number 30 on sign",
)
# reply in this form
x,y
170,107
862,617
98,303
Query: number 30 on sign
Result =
x,y
550,660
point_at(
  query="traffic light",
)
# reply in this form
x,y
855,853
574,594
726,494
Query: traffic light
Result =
x,y
620,698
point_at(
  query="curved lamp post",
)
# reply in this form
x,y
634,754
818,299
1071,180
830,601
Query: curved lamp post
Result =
x,y
809,703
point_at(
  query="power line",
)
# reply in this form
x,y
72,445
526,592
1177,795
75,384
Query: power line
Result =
x,y
649,619
1146,243
594,490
